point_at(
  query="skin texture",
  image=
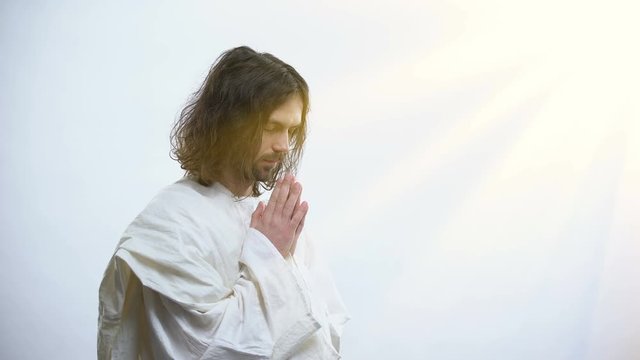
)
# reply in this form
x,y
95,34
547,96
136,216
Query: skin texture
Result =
x,y
276,135
273,147
281,220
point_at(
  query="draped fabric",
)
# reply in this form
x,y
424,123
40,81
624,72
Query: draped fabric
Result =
x,y
190,280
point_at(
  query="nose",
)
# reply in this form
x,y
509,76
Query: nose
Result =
x,y
281,143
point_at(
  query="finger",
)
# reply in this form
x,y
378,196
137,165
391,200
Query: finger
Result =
x,y
257,214
293,200
299,197
297,237
272,199
299,214
298,232
300,227
283,193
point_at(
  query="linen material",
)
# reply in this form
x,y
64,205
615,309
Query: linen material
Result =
x,y
190,279
284,297
328,307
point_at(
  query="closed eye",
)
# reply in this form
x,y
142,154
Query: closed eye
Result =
x,y
272,128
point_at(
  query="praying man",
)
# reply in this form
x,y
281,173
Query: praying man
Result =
x,y
207,270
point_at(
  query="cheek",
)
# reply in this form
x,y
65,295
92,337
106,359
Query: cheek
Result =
x,y
264,146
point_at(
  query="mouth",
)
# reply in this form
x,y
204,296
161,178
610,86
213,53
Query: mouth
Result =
x,y
272,161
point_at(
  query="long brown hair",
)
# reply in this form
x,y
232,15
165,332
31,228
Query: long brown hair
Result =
x,y
221,125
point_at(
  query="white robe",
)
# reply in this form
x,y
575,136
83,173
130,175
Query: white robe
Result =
x,y
190,280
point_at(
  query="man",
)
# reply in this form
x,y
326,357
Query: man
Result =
x,y
206,271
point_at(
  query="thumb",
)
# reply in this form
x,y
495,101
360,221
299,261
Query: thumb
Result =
x,y
257,214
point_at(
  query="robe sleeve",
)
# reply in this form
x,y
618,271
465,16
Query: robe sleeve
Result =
x,y
314,267
162,299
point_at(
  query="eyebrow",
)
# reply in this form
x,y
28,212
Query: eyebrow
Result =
x,y
281,124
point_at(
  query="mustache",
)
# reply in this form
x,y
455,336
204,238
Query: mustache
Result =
x,y
273,157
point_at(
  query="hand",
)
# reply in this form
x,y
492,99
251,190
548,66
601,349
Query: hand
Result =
x,y
282,219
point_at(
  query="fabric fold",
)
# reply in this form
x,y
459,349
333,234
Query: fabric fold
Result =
x,y
190,280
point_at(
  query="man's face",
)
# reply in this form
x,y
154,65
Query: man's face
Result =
x,y
276,137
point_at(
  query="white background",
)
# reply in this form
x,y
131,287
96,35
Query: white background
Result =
x,y
473,167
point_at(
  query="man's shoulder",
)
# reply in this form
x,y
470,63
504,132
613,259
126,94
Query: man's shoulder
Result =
x,y
179,209
180,191
184,198
186,202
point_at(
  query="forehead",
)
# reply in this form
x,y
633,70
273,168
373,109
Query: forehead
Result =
x,y
289,113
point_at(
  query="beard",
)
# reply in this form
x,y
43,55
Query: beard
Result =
x,y
261,173
265,167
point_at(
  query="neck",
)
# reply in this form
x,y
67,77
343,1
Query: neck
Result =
x,y
236,185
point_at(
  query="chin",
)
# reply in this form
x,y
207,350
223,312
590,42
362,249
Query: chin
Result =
x,y
263,174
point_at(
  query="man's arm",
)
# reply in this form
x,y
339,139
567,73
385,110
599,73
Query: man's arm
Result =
x,y
265,314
